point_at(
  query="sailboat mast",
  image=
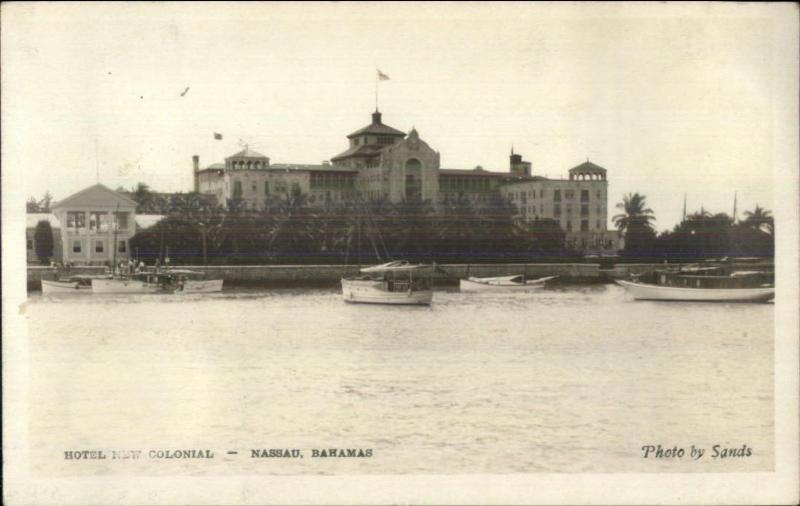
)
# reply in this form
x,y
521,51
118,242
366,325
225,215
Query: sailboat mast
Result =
x,y
114,244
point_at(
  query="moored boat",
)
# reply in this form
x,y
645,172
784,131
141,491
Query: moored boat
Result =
x,y
189,281
503,284
395,283
698,284
80,283
143,282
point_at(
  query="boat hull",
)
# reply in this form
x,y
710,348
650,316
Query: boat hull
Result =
x,y
53,287
374,292
125,286
641,291
202,286
477,285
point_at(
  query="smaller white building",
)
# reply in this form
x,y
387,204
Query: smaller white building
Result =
x,y
97,224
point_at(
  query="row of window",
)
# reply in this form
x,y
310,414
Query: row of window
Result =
x,y
280,187
98,221
523,196
464,183
321,181
99,246
557,209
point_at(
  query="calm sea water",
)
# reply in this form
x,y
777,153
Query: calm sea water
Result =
x,y
571,380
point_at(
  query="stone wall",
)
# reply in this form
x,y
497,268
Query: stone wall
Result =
x,y
288,275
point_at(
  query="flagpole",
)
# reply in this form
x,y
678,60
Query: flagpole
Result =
x,y
376,92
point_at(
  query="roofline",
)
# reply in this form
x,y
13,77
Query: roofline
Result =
x,y
358,132
61,202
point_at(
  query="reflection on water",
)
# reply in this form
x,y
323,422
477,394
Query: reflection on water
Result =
x,y
569,380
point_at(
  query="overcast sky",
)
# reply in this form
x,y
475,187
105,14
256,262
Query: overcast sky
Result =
x,y
669,100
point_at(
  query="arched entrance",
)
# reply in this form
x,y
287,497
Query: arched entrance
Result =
x,y
413,179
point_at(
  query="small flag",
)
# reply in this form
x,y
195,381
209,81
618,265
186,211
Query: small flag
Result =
x,y
217,137
382,76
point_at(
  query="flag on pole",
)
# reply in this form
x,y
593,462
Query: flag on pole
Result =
x,y
217,136
382,76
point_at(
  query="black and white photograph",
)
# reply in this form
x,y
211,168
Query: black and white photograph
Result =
x,y
400,253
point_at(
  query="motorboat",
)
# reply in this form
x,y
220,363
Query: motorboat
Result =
x,y
189,281
80,283
503,284
140,282
712,284
396,283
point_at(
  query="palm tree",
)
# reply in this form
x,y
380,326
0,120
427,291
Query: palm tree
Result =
x,y
634,211
759,218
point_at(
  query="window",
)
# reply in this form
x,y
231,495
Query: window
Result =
x,y
30,243
76,246
237,189
254,186
76,220
123,246
98,221
584,195
122,220
584,225
569,194
584,209
557,196
266,187
599,195
295,188
556,210
384,140
598,224
98,246
569,226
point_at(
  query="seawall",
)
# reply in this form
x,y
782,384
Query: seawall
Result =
x,y
327,275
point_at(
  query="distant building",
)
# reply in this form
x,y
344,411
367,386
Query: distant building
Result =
x,y
579,205
383,163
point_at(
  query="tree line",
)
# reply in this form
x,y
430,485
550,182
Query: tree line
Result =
x,y
700,235
292,232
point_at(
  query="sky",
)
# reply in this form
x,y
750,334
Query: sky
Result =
x,y
673,100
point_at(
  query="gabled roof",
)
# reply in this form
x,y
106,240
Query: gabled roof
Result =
x,y
247,153
96,195
377,128
587,166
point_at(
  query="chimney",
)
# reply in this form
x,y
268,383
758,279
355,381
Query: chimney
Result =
x,y
196,164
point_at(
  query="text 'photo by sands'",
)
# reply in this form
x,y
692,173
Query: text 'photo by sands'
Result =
x,y
364,253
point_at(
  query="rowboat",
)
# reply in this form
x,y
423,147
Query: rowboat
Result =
x,y
503,284
700,284
395,283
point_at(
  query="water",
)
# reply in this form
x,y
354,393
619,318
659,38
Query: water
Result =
x,y
574,380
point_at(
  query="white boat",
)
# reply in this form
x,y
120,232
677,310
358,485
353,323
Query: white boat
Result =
x,y
201,286
396,283
647,291
503,284
144,282
81,283
188,281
